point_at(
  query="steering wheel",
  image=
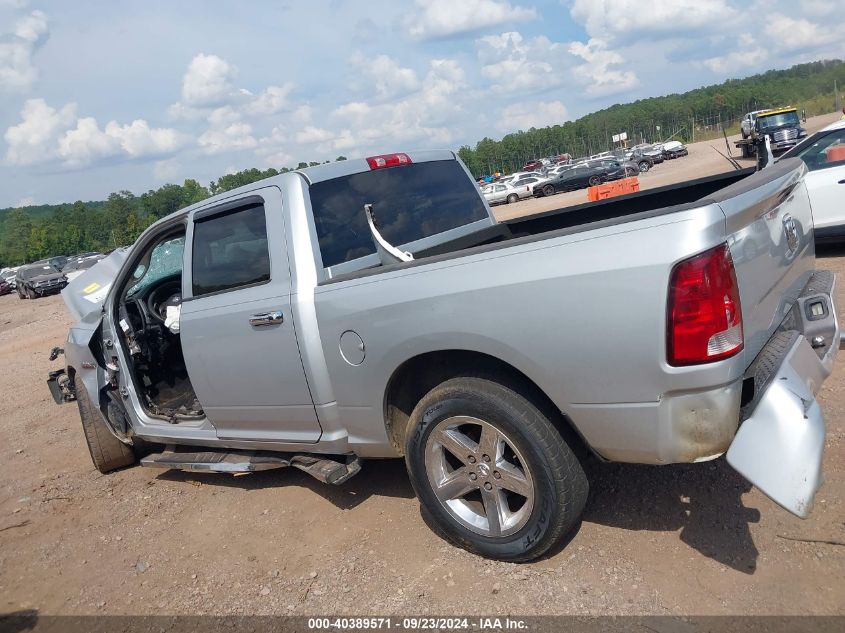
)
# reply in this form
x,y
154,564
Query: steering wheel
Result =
x,y
168,293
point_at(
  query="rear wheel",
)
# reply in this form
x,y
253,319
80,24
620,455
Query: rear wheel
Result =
x,y
107,452
548,190
513,198
594,180
492,471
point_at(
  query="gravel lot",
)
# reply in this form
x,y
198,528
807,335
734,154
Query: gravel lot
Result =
x,y
655,540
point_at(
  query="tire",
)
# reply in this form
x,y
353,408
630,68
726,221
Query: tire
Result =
x,y
532,456
107,452
30,293
548,190
21,295
594,180
513,198
644,166
746,150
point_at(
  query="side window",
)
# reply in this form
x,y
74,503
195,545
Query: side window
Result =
x,y
230,251
826,151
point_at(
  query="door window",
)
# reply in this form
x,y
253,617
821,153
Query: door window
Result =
x,y
825,151
230,251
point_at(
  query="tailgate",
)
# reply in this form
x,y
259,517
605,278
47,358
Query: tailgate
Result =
x,y
770,234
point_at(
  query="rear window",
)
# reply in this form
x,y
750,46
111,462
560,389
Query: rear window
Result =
x,y
410,203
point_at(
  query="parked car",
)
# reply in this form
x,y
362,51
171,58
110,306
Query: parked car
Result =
x,y
529,181
533,165
39,279
824,155
9,275
644,163
500,193
79,264
374,308
510,178
674,149
5,287
579,177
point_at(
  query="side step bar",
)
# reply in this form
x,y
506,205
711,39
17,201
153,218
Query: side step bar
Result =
x,y
324,469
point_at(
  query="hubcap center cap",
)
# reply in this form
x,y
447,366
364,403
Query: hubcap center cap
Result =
x,y
483,469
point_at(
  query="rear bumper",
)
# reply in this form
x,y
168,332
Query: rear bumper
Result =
x,y
780,441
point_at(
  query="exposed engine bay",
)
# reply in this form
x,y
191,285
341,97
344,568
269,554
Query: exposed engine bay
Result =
x,y
149,328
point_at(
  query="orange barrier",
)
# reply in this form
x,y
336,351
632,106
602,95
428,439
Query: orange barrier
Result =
x,y
612,189
836,153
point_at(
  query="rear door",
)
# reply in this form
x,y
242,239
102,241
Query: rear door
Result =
x,y
237,329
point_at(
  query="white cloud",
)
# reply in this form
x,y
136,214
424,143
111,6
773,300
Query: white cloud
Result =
x,y
597,74
525,115
383,74
45,134
749,54
797,33
209,92
514,64
311,134
33,139
272,100
226,132
87,143
13,4
17,71
632,20
445,18
209,81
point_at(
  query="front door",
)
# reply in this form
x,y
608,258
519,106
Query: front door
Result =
x,y
825,159
237,327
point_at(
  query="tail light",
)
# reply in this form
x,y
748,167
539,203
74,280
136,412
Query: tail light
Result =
x,y
388,160
704,314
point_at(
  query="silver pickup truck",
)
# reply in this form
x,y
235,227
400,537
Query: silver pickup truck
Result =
x,y
374,308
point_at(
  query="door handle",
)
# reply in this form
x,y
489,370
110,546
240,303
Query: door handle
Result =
x,y
267,318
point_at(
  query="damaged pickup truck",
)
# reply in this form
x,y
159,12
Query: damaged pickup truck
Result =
x,y
374,308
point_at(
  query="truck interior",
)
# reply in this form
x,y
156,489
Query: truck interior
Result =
x,y
147,311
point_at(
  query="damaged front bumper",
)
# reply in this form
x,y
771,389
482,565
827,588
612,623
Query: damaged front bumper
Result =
x,y
780,441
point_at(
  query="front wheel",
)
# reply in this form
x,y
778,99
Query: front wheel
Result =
x,y
107,452
644,166
513,198
30,293
548,190
594,181
492,471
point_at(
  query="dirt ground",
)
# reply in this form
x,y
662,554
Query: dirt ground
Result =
x,y
654,540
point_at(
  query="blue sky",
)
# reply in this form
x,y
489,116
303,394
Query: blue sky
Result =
x,y
99,96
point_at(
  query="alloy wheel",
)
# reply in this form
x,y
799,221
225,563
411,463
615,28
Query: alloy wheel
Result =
x,y
478,475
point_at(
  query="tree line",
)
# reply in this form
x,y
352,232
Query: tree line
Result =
x,y
34,233
684,117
